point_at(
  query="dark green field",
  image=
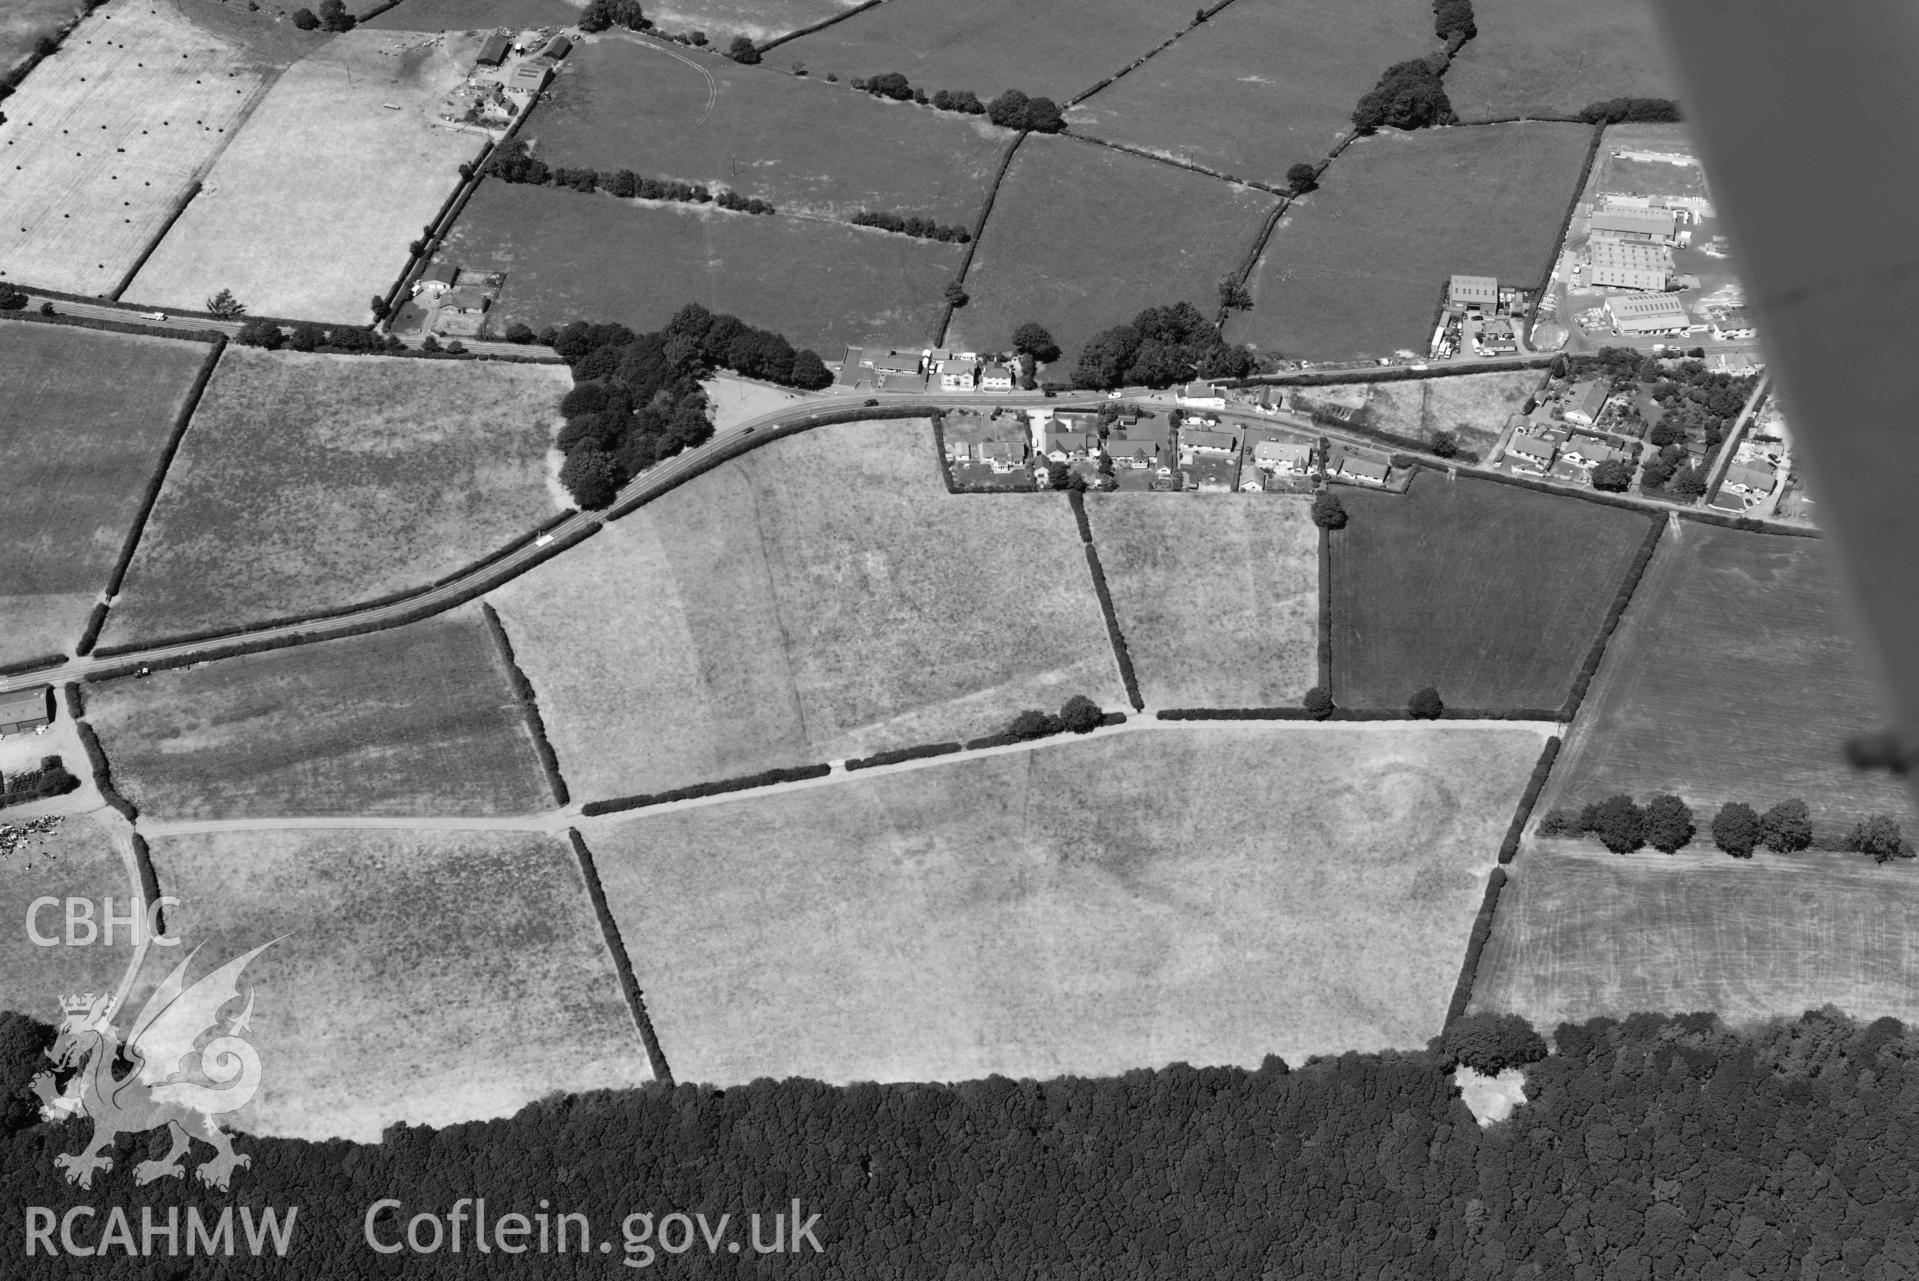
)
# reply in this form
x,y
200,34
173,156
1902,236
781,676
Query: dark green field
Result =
x,y
1490,593
1553,57
806,145
416,720
1357,268
1733,676
1082,237
570,256
83,417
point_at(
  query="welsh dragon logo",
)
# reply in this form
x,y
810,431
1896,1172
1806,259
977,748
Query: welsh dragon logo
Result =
x,y
172,1081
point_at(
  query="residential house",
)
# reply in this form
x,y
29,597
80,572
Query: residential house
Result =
x,y
1587,452
1201,395
893,362
465,301
956,375
1496,338
1586,400
1141,445
1207,442
436,280
1732,323
1529,454
1063,445
1362,469
1755,478
1001,455
1283,458
996,377
26,711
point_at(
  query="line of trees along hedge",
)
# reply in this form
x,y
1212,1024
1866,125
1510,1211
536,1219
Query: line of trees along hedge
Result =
x,y
1124,656
915,225
97,764
510,162
1627,586
149,879
639,400
1010,110
765,778
1475,944
27,666
900,754
1659,1146
1159,347
96,620
1509,847
106,326
161,467
622,963
529,706
1614,111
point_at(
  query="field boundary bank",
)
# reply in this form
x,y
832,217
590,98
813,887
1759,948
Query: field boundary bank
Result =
x,y
979,230
1114,636
1526,715
1475,945
698,791
1189,166
1199,20
1628,586
622,963
529,706
821,25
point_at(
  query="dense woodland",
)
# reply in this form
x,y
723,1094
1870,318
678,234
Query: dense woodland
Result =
x,y
1657,1147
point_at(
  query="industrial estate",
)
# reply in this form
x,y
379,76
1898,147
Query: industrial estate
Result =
x,y
1083,640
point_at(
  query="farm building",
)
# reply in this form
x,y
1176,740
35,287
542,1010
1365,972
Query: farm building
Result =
x,y
1659,314
530,75
556,48
26,711
493,52
1646,225
1628,264
1586,401
1473,291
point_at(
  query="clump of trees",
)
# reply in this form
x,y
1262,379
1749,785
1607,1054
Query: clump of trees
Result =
x,y
1614,111
1159,347
511,162
1454,18
1302,178
1614,476
12,299
49,778
1425,704
1489,1044
1318,701
1014,110
964,101
1328,511
1408,96
911,225
599,15
1880,837
1666,823
346,340
743,50
1078,715
1032,339
225,305
638,399
743,204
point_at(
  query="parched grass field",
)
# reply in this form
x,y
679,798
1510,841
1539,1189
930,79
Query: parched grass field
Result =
x,y
78,859
1733,676
1218,600
473,15
1581,932
1082,237
310,482
308,213
1052,50
822,597
1358,268
1491,593
1210,895
24,22
413,721
760,19
86,415
823,285
1474,407
1259,86
1554,58
423,977
806,145
104,138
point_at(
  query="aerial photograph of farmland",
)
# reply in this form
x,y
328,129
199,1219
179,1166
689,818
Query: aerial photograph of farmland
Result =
x,y
874,638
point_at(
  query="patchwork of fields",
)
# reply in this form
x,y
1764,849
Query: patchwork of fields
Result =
x,y
1031,914
1358,267
1490,593
106,138
1083,237
1218,602
806,145
1554,58
420,977
824,286
1259,87
1734,675
1581,932
310,482
81,447
740,622
308,213
413,721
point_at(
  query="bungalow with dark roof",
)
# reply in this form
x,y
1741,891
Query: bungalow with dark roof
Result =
x,y
1208,442
894,362
436,279
465,301
26,711
1363,469
1529,454
1589,451
1753,478
1587,400
1145,444
1064,446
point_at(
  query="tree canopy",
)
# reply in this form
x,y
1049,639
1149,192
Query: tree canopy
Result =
x,y
1161,346
1669,825
1618,822
1425,704
1735,829
1408,96
1032,339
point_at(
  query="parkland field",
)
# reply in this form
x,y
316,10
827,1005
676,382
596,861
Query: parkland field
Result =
x,y
1295,69
418,976
806,145
1490,593
824,286
106,138
87,415
1052,51
1218,602
1556,57
1082,237
1358,268
817,599
77,859
1733,676
311,482
309,212
1032,913
417,720
1581,932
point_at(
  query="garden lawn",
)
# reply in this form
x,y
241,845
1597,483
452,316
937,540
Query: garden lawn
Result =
x,y
1218,600
1082,237
415,720
310,483
1211,895
423,977
824,286
1490,593
1556,57
1260,86
1359,267
821,598
1733,676
806,145
85,417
